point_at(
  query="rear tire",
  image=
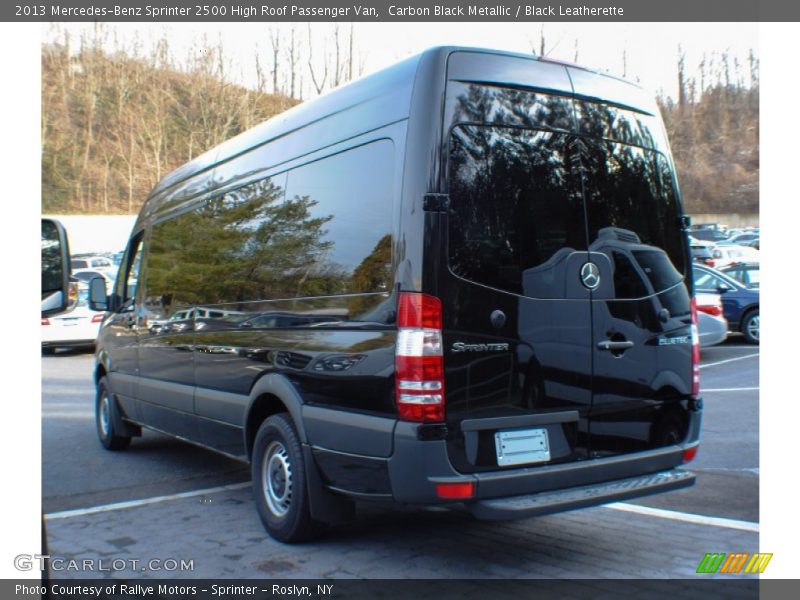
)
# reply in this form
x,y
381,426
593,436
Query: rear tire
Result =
x,y
751,327
279,482
105,410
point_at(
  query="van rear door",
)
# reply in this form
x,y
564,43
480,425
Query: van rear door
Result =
x,y
516,324
641,319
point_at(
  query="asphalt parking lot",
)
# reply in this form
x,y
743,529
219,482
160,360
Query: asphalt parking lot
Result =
x,y
164,499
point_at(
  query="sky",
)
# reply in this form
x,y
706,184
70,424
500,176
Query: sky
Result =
x,y
650,49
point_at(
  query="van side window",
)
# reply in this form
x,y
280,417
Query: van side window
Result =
x,y
351,195
127,283
327,232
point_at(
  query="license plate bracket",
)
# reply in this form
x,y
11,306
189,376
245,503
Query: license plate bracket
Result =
x,y
522,446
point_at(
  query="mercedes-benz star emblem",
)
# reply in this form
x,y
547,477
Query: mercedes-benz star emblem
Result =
x,y
590,275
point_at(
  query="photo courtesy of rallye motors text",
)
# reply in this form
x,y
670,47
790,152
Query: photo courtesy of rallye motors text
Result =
x,y
461,281
163,589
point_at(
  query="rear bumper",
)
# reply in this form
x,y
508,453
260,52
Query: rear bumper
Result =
x,y
531,505
416,467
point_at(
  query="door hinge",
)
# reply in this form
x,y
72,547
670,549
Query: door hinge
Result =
x,y
435,202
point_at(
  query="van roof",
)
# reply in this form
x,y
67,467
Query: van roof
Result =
x,y
395,82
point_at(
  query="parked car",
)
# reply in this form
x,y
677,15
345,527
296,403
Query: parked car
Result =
x,y
709,235
95,263
740,303
743,238
86,275
726,255
756,243
708,227
748,273
76,328
506,334
703,253
711,324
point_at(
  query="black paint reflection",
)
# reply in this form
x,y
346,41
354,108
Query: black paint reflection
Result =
x,y
515,208
469,103
631,188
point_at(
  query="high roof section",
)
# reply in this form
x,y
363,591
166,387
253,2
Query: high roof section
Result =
x,y
395,81
390,91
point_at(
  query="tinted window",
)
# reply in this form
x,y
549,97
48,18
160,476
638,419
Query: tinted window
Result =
x,y
627,281
326,232
350,196
233,248
126,284
515,210
79,264
621,125
507,106
631,188
666,281
658,268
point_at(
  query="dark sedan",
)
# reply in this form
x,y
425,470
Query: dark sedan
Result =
x,y
740,303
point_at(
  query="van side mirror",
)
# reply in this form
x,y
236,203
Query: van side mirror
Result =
x,y
98,297
58,293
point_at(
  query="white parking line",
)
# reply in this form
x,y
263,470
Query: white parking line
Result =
x,y
739,389
685,517
80,512
722,362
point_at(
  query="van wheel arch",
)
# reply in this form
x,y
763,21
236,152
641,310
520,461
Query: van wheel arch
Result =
x,y
99,373
272,394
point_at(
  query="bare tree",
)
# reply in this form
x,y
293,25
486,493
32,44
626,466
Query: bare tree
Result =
x,y
316,79
681,78
294,58
275,41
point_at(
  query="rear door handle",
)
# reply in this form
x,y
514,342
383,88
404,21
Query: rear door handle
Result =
x,y
614,346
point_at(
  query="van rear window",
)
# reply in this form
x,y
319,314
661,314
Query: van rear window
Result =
x,y
632,188
516,208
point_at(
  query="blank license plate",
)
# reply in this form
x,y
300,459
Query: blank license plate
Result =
x,y
521,446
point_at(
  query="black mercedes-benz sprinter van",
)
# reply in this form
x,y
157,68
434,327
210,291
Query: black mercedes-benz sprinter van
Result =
x,y
463,280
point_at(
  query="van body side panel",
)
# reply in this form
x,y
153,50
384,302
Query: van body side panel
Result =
x,y
306,264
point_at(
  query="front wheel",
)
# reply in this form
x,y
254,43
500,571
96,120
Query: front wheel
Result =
x,y
751,327
279,482
105,414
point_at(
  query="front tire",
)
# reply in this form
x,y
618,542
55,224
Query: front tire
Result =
x,y
279,482
751,327
105,408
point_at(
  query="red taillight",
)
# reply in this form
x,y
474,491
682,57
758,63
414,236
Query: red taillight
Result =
x,y
689,454
45,321
98,318
710,262
452,491
695,351
419,364
715,310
